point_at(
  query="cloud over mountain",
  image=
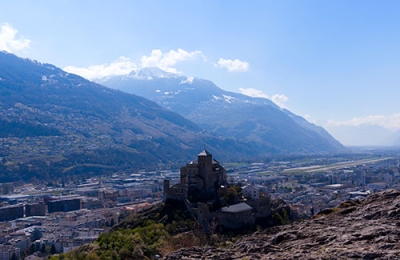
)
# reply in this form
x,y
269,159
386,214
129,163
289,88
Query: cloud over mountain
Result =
x,y
9,41
233,65
165,61
278,99
120,66
252,92
124,65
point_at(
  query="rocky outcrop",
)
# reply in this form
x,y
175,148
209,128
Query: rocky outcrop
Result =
x,y
367,229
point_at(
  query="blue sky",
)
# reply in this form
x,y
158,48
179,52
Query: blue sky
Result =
x,y
335,63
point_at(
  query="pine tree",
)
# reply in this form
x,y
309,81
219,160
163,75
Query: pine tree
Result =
x,y
43,248
36,234
14,257
32,248
53,250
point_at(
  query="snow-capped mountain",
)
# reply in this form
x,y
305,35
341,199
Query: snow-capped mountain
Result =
x,y
53,124
228,114
150,73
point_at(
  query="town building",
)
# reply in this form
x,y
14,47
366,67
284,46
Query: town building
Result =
x,y
11,212
251,192
9,251
36,209
64,205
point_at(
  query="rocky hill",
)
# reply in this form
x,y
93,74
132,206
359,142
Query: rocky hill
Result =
x,y
367,229
226,113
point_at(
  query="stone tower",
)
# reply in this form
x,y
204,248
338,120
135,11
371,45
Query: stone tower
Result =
x,y
204,160
166,189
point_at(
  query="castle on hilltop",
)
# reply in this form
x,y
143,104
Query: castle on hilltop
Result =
x,y
206,194
199,180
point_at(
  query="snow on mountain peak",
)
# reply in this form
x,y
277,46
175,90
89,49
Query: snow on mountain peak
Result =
x,y
150,73
188,80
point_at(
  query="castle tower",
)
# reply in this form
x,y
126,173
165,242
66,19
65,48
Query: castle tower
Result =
x,y
166,189
204,160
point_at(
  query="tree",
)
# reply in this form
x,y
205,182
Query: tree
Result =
x,y
112,222
7,188
14,256
43,248
232,194
36,234
32,248
53,250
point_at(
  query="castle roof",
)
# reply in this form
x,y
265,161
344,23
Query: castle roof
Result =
x,y
237,208
205,153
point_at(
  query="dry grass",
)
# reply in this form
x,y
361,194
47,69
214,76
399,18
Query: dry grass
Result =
x,y
187,239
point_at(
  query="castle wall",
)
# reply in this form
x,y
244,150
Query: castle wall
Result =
x,y
209,220
177,192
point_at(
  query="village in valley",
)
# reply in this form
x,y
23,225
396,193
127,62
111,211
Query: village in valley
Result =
x,y
42,218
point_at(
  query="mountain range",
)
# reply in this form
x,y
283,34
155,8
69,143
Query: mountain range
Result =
x,y
54,123
226,113
365,135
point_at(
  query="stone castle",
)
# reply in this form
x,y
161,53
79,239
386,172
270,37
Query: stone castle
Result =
x,y
199,180
203,182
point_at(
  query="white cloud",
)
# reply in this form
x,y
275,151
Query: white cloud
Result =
x,y
252,92
233,65
165,61
310,119
123,65
391,122
278,99
8,40
120,66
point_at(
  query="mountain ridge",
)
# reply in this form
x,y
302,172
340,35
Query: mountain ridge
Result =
x,y
54,122
231,114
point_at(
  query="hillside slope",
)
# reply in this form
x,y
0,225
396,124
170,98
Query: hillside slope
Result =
x,y
367,229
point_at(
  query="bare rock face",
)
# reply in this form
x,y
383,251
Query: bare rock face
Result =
x,y
367,229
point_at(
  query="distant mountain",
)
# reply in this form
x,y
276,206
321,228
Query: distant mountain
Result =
x,y
393,139
363,135
226,113
56,124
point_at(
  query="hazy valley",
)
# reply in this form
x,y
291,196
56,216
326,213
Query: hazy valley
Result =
x,y
86,169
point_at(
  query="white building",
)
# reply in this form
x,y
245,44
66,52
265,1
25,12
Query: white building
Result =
x,y
7,251
251,192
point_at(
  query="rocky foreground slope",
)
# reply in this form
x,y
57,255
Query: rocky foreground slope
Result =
x,y
367,229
